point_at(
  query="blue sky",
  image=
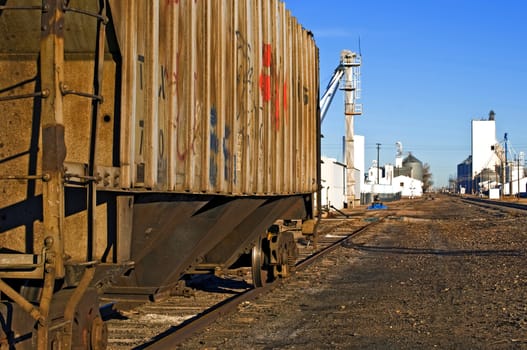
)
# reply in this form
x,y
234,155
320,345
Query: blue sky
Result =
x,y
429,68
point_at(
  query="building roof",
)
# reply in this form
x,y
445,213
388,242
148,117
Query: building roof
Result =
x,y
411,159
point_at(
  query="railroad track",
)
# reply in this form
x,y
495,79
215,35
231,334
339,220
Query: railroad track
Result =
x,y
495,203
165,324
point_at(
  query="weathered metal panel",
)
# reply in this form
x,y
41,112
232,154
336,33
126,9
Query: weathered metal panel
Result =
x,y
201,97
40,134
170,237
225,97
125,27
242,238
20,201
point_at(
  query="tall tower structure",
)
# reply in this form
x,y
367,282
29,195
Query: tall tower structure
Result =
x,y
399,155
483,141
350,64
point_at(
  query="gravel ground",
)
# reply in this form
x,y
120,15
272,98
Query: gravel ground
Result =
x,y
436,274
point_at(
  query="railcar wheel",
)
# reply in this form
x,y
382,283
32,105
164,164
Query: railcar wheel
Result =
x,y
89,330
285,252
259,269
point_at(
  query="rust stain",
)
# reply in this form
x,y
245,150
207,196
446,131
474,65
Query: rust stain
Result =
x,y
54,147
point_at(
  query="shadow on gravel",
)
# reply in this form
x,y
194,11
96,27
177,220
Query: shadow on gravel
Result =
x,y
215,284
180,327
420,251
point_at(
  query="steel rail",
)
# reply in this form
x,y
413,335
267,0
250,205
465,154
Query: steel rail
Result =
x,y
334,246
512,205
177,334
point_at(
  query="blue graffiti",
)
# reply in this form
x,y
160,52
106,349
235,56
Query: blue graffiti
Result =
x,y
213,116
226,153
214,145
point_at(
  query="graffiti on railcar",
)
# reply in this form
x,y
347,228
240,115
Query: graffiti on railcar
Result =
x,y
184,150
162,162
247,104
214,146
265,75
270,88
198,118
184,146
214,141
244,77
226,153
164,77
140,123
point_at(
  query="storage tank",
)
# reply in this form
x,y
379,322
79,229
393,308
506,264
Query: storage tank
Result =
x,y
413,167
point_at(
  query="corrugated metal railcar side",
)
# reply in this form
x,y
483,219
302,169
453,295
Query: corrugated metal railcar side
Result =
x,y
201,97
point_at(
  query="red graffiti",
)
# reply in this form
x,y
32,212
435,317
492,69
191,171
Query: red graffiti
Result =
x,y
269,84
265,87
172,2
174,76
267,54
265,77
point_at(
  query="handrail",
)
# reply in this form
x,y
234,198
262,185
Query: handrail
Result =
x,y
33,7
43,177
101,18
44,94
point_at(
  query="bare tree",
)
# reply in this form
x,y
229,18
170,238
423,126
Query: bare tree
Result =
x,y
427,178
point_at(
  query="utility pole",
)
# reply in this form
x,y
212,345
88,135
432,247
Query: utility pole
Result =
x,y
518,166
507,177
378,164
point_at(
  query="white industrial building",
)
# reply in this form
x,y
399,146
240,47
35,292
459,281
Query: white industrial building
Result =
x,y
333,183
482,146
360,166
333,178
395,187
518,181
402,180
493,168
409,187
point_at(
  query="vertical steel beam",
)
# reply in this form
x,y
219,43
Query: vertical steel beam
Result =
x,y
53,152
53,145
96,103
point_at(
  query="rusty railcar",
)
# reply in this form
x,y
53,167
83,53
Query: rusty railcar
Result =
x,y
143,141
